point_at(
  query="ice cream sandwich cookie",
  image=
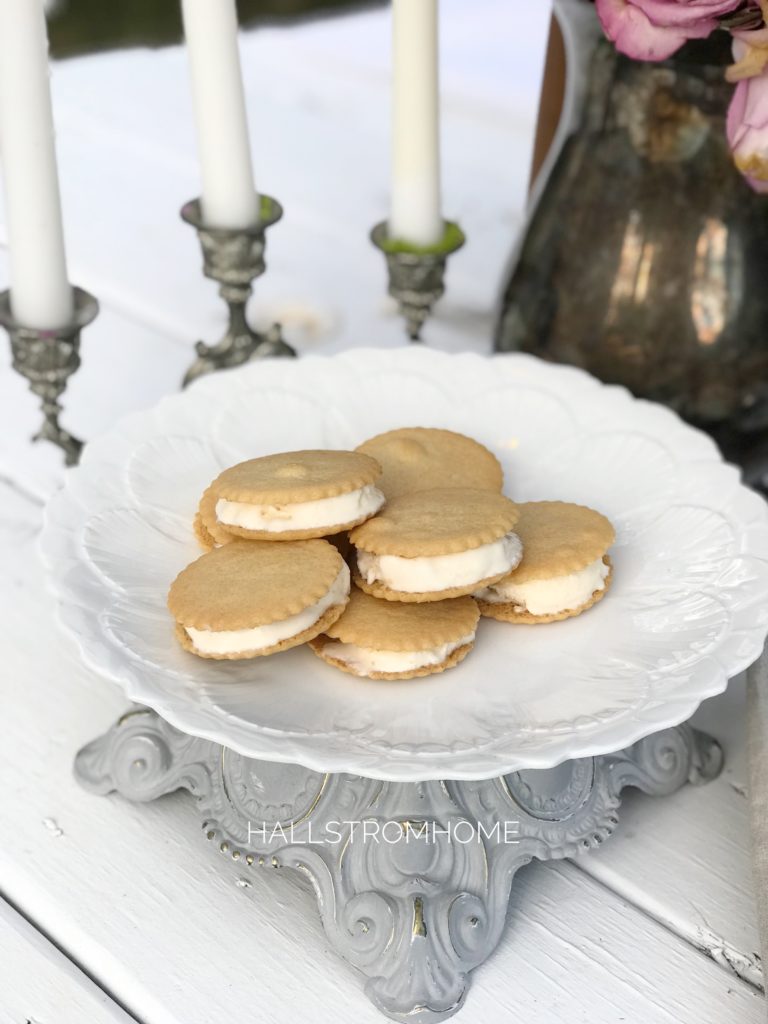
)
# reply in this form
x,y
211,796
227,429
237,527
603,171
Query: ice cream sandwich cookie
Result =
x,y
292,496
250,598
391,640
430,545
564,569
422,458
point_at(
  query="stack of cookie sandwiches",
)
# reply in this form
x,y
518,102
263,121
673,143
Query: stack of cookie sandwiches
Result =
x,y
383,559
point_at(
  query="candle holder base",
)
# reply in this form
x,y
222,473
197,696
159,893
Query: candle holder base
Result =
x,y
416,276
235,349
234,258
47,359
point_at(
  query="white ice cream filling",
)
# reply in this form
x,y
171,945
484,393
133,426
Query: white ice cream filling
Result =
x,y
240,641
441,572
364,660
549,597
302,515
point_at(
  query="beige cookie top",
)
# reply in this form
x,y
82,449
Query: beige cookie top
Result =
x,y
420,458
439,522
558,539
296,476
253,583
391,626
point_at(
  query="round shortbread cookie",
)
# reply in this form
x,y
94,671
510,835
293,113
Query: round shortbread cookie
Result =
x,y
422,458
243,585
559,538
508,612
293,477
320,643
437,522
386,626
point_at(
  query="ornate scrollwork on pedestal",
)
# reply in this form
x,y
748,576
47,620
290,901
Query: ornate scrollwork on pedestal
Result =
x,y
662,762
142,758
412,879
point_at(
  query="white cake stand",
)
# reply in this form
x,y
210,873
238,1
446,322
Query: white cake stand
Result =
x,y
410,807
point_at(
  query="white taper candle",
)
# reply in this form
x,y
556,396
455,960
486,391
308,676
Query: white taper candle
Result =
x,y
415,214
229,197
41,295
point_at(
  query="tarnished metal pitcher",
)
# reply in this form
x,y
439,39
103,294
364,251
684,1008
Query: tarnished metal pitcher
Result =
x,y
646,257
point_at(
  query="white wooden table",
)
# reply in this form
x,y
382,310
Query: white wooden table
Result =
x,y
112,909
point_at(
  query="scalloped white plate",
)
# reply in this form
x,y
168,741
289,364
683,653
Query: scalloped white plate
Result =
x,y
688,608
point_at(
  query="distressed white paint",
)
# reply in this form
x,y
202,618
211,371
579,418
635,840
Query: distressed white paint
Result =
x,y
691,868
38,983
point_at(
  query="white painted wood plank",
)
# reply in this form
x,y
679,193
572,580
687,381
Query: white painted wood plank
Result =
x,y
39,984
685,860
178,933
578,953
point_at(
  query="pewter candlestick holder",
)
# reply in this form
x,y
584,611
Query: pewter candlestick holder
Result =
x,y
416,275
234,258
48,358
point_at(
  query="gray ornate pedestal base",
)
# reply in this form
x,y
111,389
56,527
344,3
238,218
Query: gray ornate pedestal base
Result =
x,y
412,879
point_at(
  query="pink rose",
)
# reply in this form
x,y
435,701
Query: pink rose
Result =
x,y
654,29
747,128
